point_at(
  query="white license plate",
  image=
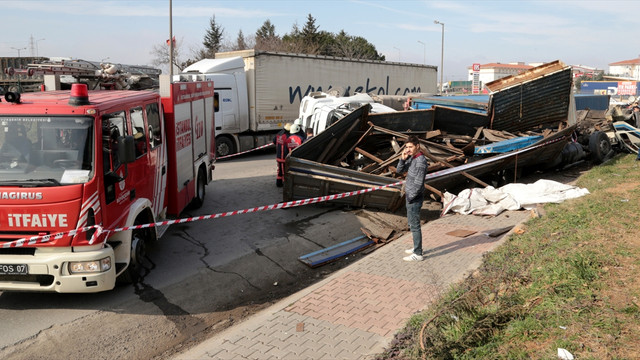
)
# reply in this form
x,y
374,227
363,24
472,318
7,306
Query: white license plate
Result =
x,y
14,269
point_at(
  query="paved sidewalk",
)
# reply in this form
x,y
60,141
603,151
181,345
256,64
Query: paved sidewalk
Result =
x,y
355,312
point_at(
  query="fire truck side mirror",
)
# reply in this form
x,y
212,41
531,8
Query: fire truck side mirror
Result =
x,y
127,150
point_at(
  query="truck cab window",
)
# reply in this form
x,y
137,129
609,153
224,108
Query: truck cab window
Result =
x,y
216,102
153,119
138,131
113,127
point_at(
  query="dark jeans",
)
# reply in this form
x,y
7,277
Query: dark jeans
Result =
x,y
413,218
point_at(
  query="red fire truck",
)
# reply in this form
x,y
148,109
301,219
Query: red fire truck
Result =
x,y
70,160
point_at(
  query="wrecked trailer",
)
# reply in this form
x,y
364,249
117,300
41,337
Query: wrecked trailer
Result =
x,y
309,171
331,162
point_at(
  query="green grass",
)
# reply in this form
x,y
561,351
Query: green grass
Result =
x,y
552,286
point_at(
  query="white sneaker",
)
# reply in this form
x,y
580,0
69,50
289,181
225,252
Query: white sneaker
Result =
x,y
409,251
413,257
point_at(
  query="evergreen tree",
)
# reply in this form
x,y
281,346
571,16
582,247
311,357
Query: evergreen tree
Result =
x,y
310,30
241,43
213,38
266,38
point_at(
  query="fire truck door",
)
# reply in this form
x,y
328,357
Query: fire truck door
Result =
x,y
116,190
140,171
157,157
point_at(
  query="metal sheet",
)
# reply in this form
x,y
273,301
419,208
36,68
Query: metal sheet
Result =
x,y
335,252
536,97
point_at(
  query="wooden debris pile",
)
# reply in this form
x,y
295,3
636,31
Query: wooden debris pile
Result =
x,y
378,149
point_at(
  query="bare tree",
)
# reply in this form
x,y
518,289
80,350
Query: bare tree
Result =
x,y
160,56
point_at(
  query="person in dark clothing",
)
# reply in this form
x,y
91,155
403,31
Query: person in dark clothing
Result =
x,y
415,164
282,150
309,133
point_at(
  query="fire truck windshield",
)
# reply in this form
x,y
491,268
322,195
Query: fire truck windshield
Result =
x,y
46,151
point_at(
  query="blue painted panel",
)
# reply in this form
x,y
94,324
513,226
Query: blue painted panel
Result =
x,y
507,145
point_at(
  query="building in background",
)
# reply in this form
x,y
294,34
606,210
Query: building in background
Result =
x,y
629,69
495,71
585,71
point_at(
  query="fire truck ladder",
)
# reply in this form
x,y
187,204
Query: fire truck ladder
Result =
x,y
102,74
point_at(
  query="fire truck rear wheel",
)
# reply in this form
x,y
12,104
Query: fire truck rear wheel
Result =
x,y
224,146
198,200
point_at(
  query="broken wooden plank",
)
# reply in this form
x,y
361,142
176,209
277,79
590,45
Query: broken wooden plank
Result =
x,y
432,134
346,153
468,176
333,148
478,132
405,137
368,155
433,190
326,150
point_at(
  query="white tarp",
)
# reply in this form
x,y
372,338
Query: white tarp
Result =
x,y
492,201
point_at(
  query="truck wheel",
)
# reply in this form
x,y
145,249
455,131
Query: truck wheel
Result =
x,y
224,146
599,146
201,183
136,270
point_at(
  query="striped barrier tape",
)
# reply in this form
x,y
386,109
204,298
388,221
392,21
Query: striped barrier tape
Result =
x,y
46,238
244,152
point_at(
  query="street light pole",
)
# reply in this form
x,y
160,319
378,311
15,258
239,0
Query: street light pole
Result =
x,y
19,49
441,54
19,63
424,59
37,46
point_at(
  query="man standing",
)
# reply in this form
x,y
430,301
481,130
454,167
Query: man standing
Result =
x,y
282,151
414,162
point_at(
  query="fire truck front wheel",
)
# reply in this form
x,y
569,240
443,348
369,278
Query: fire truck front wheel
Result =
x,y
137,269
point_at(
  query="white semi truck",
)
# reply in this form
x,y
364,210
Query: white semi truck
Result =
x,y
256,93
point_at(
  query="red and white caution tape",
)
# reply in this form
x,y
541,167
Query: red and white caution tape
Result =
x,y
35,240
46,238
43,239
244,152
285,205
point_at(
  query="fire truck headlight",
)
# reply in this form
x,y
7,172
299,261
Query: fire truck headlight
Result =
x,y
80,267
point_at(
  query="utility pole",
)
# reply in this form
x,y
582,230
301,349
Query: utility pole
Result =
x,y
170,42
424,59
441,54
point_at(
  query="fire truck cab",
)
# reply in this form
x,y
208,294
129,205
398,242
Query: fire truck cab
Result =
x,y
78,166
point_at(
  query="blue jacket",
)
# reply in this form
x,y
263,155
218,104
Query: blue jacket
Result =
x,y
416,167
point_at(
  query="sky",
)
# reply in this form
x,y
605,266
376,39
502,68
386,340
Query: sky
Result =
x,y
591,33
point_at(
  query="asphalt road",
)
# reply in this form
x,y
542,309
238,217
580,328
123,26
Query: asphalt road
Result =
x,y
202,277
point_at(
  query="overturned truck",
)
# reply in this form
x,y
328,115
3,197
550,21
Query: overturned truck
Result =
x,y
463,145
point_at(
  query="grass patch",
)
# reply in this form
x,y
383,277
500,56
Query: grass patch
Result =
x,y
569,281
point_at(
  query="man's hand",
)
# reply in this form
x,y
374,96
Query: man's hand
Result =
x,y
405,154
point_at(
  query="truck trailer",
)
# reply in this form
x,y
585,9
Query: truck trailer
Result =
x,y
258,92
78,167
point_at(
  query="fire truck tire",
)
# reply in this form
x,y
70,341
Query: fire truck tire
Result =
x,y
224,146
136,270
201,183
599,146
